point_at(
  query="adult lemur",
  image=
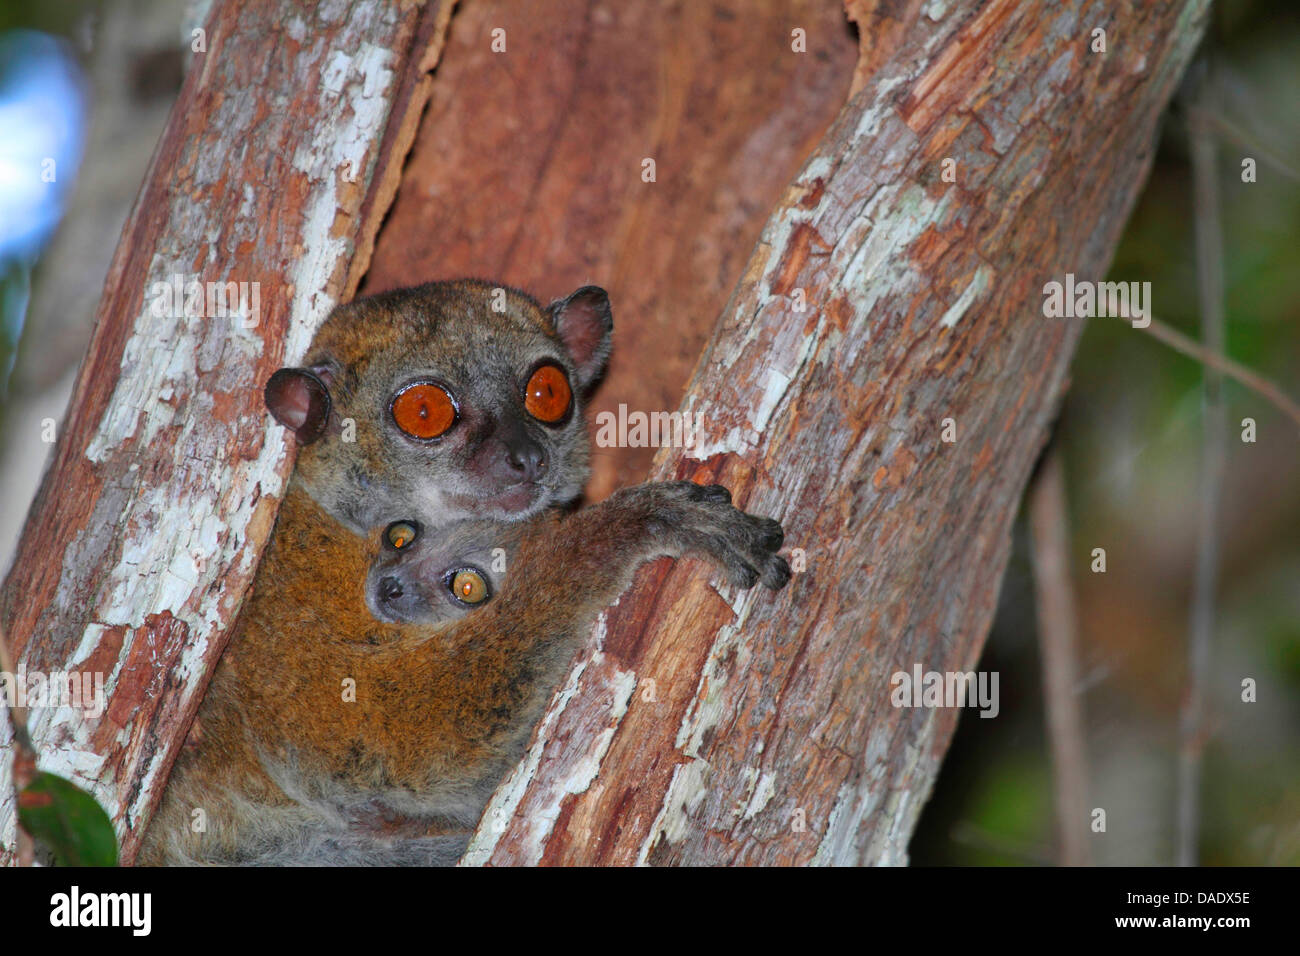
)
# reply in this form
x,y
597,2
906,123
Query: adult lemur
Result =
x,y
383,680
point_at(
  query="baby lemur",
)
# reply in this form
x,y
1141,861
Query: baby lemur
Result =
x,y
383,679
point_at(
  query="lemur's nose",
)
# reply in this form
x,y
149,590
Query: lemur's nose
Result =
x,y
390,589
527,459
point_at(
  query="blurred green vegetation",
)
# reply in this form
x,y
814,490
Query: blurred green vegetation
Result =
x,y
51,16
1130,432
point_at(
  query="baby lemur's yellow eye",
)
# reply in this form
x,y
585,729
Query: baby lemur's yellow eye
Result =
x,y
424,410
469,586
547,395
401,533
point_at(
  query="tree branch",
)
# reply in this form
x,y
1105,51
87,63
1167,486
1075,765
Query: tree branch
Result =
x,y
274,171
14,737
1229,367
1057,638
1209,271
701,725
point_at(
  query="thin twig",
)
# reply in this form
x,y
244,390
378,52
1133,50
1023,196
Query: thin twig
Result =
x,y
1057,637
1229,367
1244,139
1209,267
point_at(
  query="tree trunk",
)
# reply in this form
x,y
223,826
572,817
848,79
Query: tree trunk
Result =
x,y
702,725
881,299
545,188
279,160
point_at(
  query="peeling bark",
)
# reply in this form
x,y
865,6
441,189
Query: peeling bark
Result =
x,y
528,167
275,168
701,725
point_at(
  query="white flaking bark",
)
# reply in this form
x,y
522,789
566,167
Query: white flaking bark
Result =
x,y
180,540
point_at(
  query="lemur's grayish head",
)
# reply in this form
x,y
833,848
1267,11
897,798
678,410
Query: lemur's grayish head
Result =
x,y
449,400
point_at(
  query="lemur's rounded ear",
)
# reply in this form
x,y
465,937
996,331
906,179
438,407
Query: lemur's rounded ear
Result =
x,y
584,322
300,401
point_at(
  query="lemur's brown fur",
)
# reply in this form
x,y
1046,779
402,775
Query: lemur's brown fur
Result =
x,y
288,771
327,736
428,707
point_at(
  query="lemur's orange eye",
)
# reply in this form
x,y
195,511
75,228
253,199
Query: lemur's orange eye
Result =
x,y
424,410
547,395
469,586
400,533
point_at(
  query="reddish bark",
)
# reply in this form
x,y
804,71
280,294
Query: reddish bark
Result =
x,y
770,736
528,166
275,168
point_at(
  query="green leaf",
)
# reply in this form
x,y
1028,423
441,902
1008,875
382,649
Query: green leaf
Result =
x,y
68,821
